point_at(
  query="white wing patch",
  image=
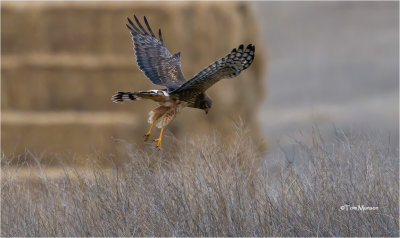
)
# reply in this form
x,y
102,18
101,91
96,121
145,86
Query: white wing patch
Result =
x,y
159,92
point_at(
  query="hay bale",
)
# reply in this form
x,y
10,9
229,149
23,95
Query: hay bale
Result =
x,y
72,56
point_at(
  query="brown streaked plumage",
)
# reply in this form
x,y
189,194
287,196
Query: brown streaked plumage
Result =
x,y
163,68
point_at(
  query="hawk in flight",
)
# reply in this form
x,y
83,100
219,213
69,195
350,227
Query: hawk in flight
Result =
x,y
164,69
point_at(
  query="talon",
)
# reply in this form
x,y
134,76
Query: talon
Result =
x,y
159,139
158,143
147,135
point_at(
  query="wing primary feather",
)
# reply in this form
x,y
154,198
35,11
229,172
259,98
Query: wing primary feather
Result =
x,y
140,25
129,20
152,56
148,26
249,47
129,27
135,29
227,67
160,35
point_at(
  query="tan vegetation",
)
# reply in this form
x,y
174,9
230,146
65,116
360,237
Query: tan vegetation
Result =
x,y
205,187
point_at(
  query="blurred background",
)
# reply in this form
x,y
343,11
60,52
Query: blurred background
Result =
x,y
62,62
330,64
317,63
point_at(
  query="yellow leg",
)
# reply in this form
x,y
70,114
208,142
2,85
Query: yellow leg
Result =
x,y
146,137
159,139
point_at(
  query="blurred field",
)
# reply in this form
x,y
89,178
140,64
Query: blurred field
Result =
x,y
62,61
204,187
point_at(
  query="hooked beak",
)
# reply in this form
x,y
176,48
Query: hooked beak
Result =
x,y
206,110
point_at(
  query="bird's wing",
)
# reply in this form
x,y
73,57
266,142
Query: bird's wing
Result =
x,y
227,67
153,57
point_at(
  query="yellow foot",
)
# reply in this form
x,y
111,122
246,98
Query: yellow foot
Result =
x,y
147,135
158,143
159,139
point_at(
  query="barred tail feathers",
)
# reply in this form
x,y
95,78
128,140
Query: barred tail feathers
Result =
x,y
155,95
124,96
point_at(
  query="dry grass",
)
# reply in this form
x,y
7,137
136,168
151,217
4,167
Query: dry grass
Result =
x,y
204,188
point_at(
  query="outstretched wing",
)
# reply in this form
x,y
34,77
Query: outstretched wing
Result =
x,y
227,67
153,57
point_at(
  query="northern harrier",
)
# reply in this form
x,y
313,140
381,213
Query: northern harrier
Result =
x,y
162,68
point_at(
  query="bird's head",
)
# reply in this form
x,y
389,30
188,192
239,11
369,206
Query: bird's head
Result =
x,y
205,104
